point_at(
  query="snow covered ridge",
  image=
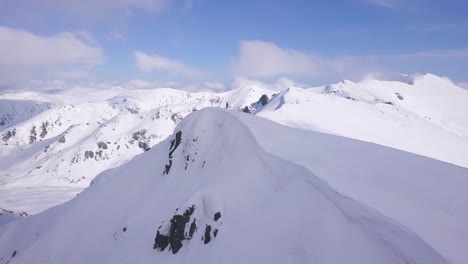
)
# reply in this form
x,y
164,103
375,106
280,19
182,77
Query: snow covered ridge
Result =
x,y
53,144
241,189
427,116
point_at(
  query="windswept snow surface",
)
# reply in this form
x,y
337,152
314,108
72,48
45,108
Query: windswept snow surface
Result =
x,y
229,187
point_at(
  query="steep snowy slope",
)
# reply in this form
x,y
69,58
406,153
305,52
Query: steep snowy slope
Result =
x,y
55,153
428,116
228,187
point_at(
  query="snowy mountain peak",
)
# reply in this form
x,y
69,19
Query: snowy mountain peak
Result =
x,y
188,199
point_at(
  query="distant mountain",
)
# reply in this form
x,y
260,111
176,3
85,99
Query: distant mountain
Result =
x,y
427,116
229,187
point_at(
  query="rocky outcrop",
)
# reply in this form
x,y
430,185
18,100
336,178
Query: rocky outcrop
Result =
x,y
176,233
174,144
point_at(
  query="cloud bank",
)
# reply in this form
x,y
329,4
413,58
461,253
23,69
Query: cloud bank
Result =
x,y
154,62
27,56
23,48
260,59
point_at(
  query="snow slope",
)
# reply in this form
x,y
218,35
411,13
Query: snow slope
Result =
x,y
428,116
229,187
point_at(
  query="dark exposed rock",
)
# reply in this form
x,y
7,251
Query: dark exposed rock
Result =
x,y
139,135
176,235
188,212
174,144
89,154
176,118
24,214
14,254
32,137
399,96
124,229
143,145
133,111
207,234
62,140
44,129
98,155
168,167
176,232
215,233
7,135
246,110
161,241
217,216
102,145
264,100
193,227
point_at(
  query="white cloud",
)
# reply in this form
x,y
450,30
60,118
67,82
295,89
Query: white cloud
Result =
x,y
278,85
66,55
25,49
147,63
265,59
261,59
390,76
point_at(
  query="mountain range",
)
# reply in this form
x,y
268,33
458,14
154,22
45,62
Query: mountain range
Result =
x,y
368,172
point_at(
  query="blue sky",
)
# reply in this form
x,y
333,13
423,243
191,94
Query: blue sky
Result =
x,y
215,40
